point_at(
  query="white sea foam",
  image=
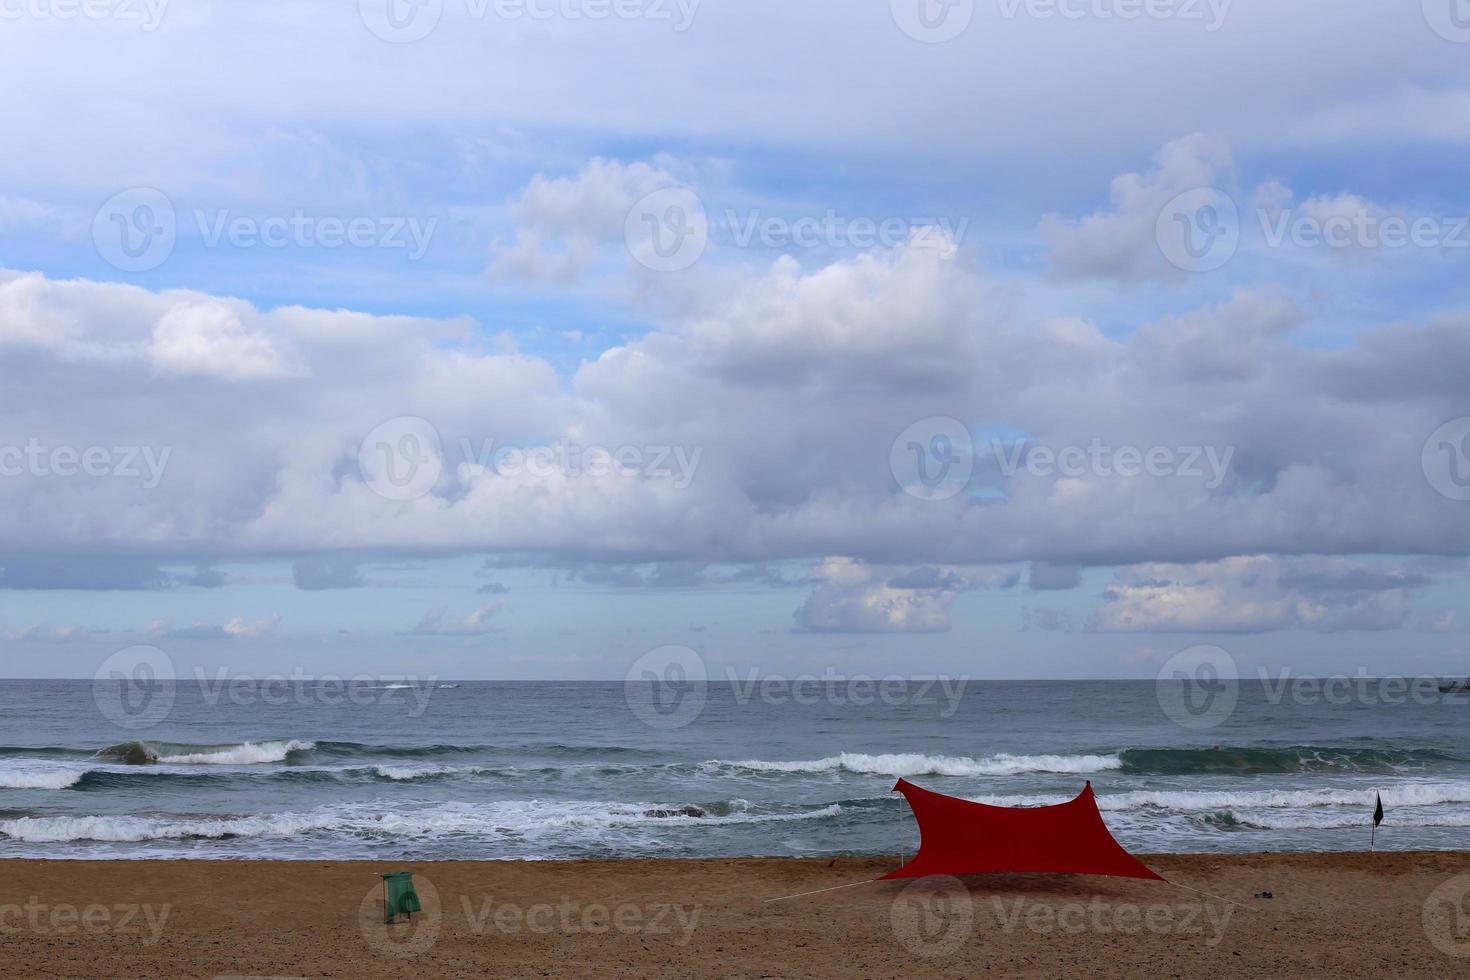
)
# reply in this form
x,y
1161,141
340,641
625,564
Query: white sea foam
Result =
x,y
410,773
916,764
1404,795
128,828
522,818
40,777
1340,819
244,754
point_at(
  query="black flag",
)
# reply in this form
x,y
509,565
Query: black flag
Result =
x,y
1378,811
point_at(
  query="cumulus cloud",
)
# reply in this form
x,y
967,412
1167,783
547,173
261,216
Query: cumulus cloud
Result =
x,y
1256,594
210,338
562,224
1342,225
789,387
850,596
1121,242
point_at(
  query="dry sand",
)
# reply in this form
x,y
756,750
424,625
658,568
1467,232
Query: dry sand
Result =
x,y
1368,915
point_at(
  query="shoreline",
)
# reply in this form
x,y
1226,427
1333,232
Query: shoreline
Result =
x,y
1351,912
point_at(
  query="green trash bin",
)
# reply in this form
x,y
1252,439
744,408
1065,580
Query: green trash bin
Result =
x,y
399,896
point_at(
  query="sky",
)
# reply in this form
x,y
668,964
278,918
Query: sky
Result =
x,y
518,338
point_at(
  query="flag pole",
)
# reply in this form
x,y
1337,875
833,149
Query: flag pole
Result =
x,y
1377,816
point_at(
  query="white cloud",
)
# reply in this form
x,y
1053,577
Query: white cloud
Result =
x,y
851,597
211,339
789,385
1122,243
1256,594
563,224
477,623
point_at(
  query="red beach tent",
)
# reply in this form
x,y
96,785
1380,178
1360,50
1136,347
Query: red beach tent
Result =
x,y
959,837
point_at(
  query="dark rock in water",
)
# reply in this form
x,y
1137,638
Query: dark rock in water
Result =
x,y
130,753
683,811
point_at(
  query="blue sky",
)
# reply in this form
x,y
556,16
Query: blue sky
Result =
x,y
892,234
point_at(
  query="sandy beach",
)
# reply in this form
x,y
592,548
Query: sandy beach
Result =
x,y
1349,914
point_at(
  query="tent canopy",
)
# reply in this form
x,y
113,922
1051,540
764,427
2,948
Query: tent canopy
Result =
x,y
959,837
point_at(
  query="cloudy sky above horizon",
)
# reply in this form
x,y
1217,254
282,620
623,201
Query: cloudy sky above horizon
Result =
x,y
515,338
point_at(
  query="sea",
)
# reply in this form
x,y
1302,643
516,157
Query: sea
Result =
x,y
563,770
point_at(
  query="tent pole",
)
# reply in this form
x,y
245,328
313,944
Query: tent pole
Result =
x,y
900,830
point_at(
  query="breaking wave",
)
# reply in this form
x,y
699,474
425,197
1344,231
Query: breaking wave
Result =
x,y
1287,759
1403,795
33,778
915,764
506,819
237,754
1328,820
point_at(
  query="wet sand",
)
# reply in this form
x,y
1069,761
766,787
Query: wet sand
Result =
x,y
1358,915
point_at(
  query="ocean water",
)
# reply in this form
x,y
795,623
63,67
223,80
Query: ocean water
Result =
x,y
572,770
